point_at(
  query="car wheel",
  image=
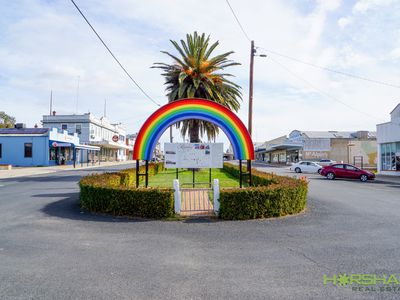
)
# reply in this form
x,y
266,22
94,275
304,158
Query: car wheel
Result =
x,y
363,178
319,171
297,170
330,176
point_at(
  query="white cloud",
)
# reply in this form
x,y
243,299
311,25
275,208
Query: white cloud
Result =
x,y
48,45
365,5
344,22
395,53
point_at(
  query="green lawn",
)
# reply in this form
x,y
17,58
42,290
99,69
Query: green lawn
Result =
x,y
166,177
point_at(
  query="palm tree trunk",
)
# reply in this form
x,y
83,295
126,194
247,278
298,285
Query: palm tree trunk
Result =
x,y
194,131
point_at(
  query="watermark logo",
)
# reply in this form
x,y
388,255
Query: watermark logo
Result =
x,y
365,282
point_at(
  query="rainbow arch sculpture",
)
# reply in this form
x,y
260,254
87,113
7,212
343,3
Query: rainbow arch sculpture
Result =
x,y
193,108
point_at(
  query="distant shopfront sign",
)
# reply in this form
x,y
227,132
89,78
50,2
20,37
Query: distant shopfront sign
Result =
x,y
58,144
115,138
193,155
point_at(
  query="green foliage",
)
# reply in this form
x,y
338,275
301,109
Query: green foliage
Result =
x,y
6,121
258,178
271,196
166,177
114,193
195,74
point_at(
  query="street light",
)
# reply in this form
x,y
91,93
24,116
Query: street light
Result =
x,y
253,52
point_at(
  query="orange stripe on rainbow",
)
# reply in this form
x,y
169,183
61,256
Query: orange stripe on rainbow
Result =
x,y
193,108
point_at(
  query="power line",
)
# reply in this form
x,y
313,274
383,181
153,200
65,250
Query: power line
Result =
x,y
320,91
112,54
237,20
311,64
331,70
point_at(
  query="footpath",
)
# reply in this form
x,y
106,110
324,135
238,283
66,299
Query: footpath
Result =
x,y
388,179
30,171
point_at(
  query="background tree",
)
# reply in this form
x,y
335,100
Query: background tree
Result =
x,y
194,73
6,121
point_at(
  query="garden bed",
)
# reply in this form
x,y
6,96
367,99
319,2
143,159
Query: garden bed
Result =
x,y
116,194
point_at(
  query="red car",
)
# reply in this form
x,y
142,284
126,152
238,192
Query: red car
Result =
x,y
346,171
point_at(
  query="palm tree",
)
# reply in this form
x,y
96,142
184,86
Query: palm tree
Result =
x,y
195,74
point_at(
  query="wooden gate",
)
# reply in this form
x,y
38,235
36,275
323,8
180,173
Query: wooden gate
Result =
x,y
197,202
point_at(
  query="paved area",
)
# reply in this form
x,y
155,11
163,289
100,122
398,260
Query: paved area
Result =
x,y
50,249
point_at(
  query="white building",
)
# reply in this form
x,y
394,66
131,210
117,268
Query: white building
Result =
x,y
93,131
388,138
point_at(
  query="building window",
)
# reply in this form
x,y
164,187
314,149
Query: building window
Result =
x,y
0,150
390,157
28,150
78,128
64,127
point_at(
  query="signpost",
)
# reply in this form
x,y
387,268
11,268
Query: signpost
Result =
x,y
193,155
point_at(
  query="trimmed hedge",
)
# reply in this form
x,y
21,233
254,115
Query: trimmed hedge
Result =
x,y
114,193
258,178
270,196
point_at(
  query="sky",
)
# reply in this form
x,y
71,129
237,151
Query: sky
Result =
x,y
45,45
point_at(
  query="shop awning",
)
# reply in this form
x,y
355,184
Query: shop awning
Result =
x,y
287,147
111,145
87,147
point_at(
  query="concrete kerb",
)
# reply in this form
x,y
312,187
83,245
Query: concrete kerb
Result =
x,y
388,179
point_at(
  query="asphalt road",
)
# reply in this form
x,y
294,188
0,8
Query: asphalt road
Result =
x,y
50,249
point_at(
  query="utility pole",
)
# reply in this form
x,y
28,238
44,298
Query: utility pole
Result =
x,y
250,125
252,53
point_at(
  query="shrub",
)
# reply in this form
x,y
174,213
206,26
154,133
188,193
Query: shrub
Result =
x,y
114,193
270,196
258,178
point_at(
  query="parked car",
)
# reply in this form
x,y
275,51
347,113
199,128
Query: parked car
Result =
x,y
346,171
326,162
306,167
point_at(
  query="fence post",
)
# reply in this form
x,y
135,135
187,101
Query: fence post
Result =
x,y
216,196
177,197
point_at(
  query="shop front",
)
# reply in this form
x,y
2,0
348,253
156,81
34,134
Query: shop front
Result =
x,y
111,151
61,153
390,157
388,139
283,153
61,147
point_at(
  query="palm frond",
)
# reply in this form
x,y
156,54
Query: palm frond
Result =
x,y
195,74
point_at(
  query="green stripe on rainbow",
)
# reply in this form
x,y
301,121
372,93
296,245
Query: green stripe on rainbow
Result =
x,y
193,108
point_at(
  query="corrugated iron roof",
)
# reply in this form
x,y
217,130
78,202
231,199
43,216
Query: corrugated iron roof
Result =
x,y
12,131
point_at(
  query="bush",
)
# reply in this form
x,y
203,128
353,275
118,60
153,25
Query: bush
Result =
x,y
128,176
258,178
270,196
114,193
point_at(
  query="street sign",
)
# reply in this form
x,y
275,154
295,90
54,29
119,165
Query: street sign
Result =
x,y
193,155
115,138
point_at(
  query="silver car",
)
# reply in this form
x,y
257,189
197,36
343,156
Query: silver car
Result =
x,y
306,167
